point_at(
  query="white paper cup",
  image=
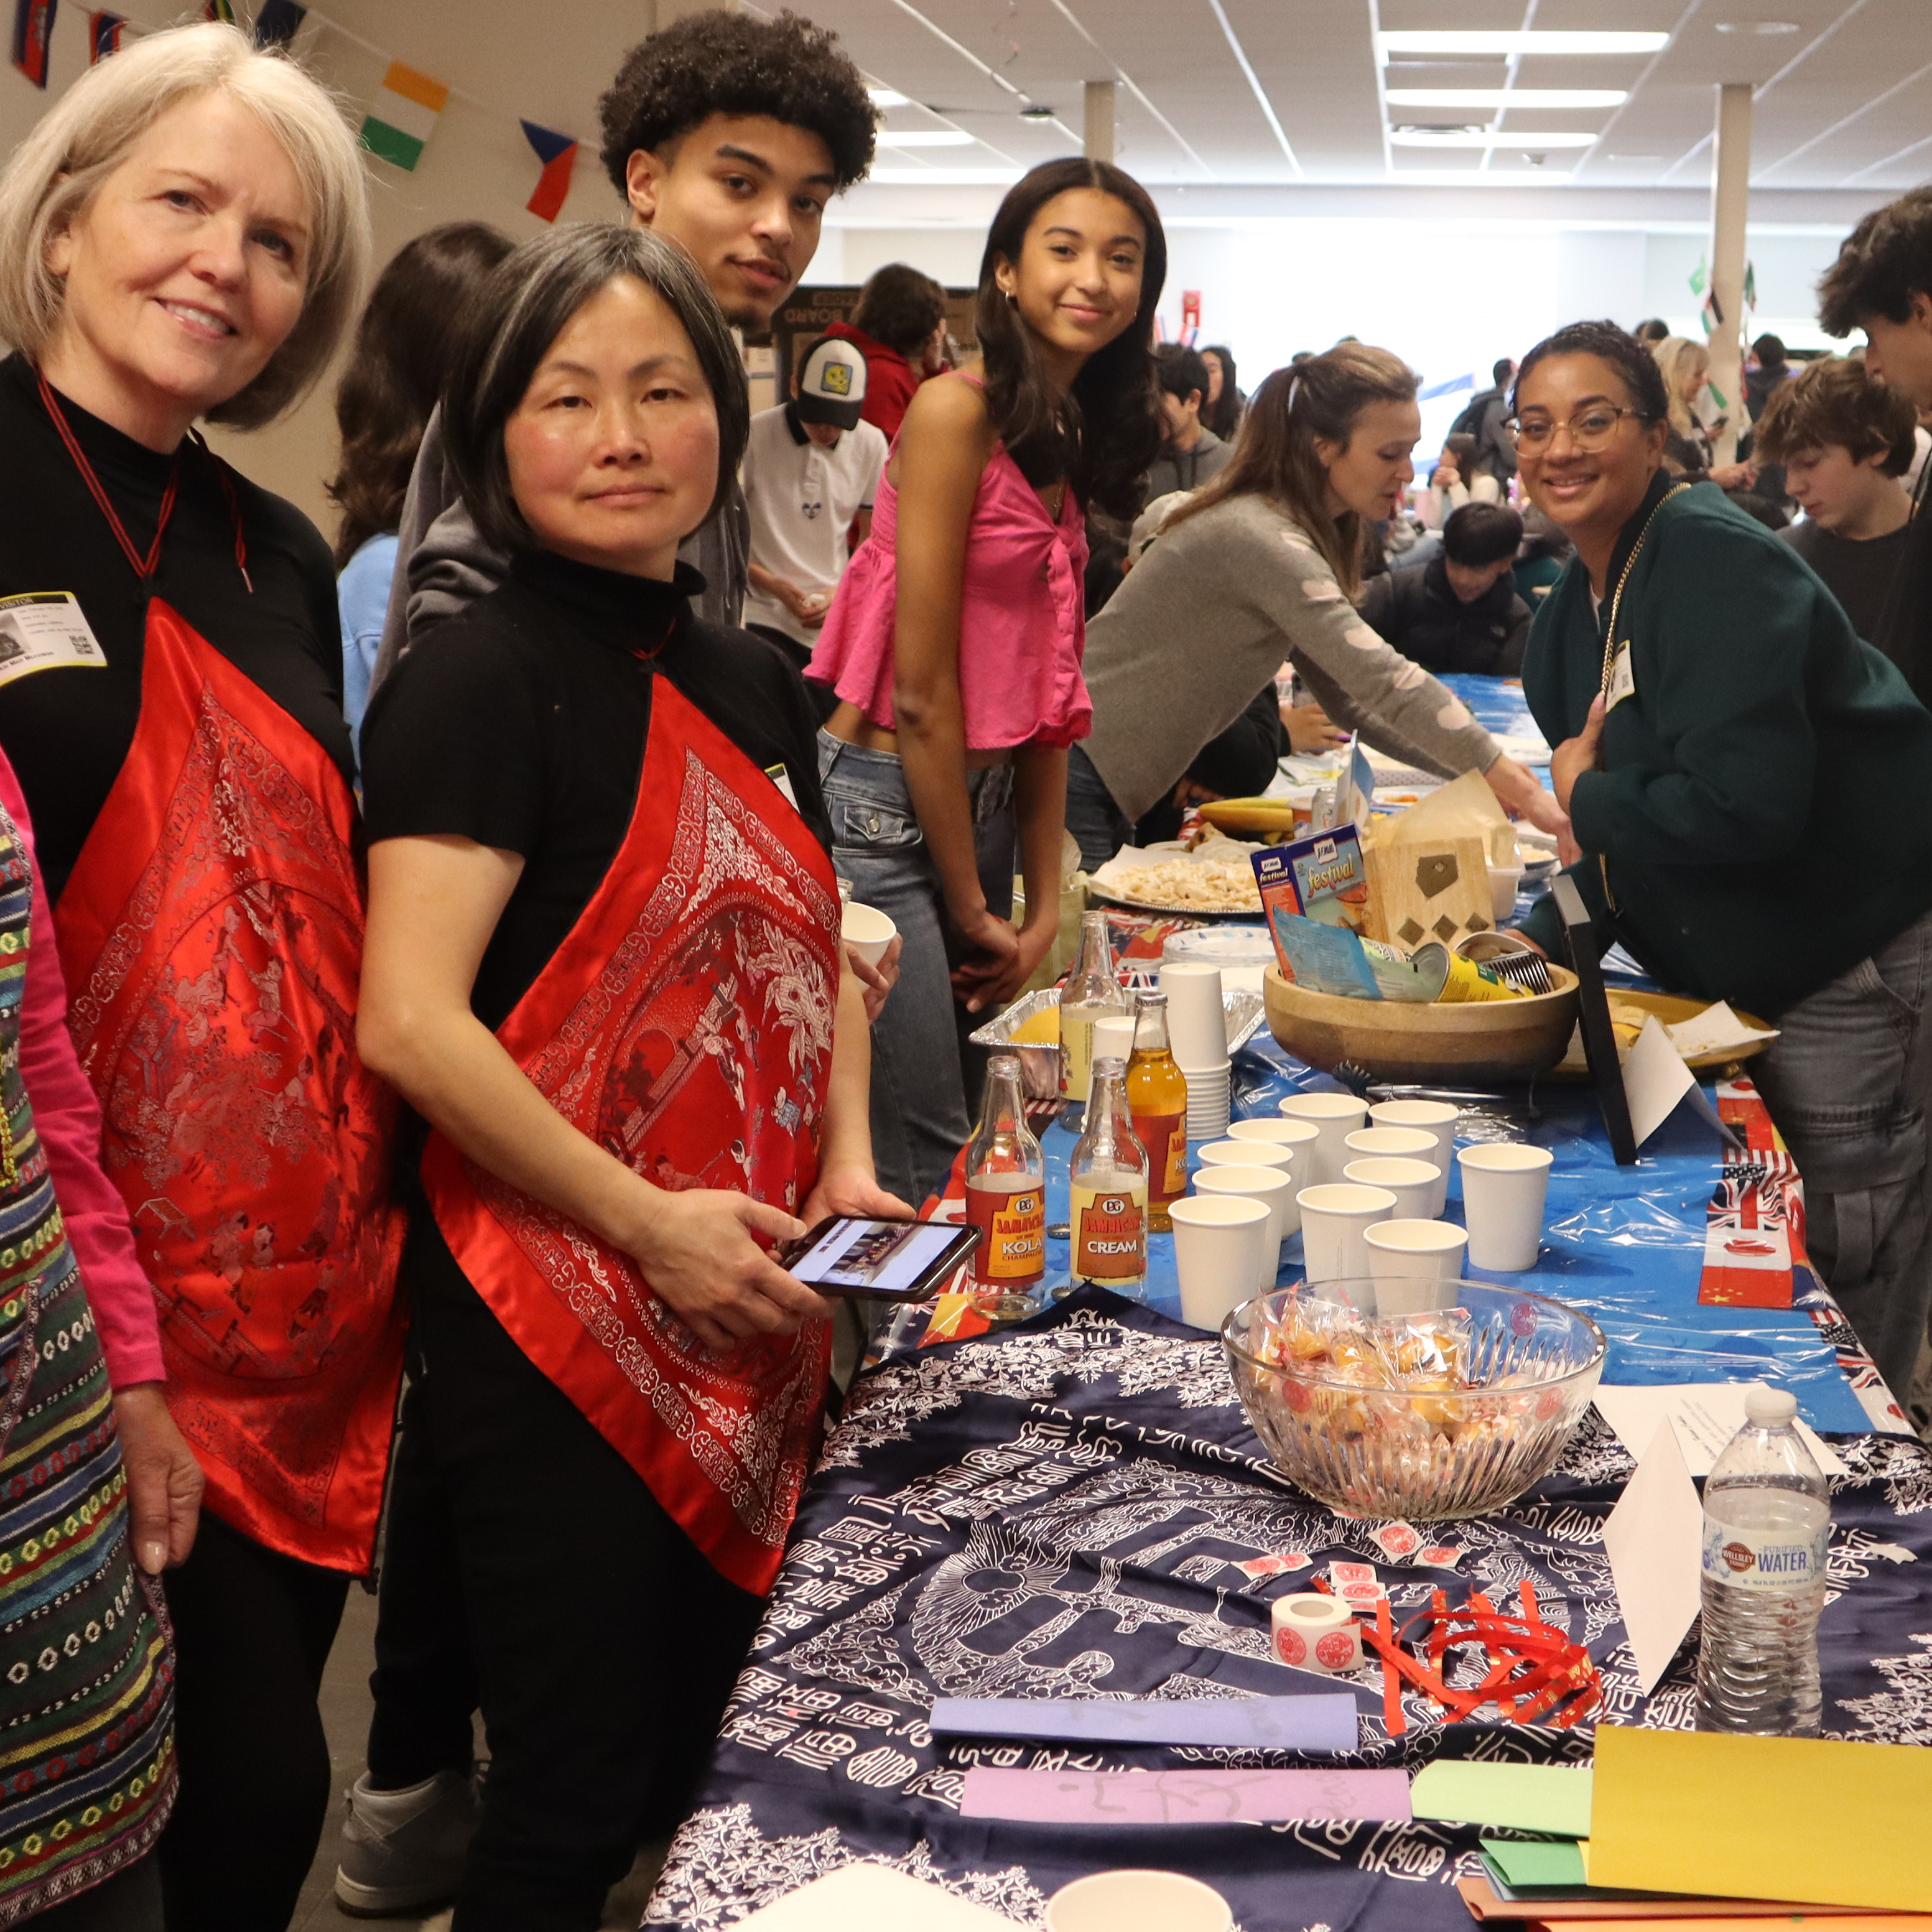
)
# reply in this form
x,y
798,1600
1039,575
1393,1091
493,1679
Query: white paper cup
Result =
x,y
1249,1153
1504,880
1413,1182
1138,1901
1404,1144
1197,1026
1334,1116
1113,1037
1504,1184
1428,1116
1410,1262
1282,1132
1274,1188
867,931
1220,1243
1334,1218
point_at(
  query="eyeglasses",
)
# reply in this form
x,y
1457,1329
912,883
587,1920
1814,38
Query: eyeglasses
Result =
x,y
1588,433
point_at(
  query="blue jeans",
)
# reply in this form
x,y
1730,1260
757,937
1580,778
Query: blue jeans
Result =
x,y
1849,1081
1099,826
920,1108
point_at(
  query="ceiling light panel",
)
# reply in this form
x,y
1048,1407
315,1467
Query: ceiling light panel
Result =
x,y
1458,137
925,137
1512,44
887,97
1497,96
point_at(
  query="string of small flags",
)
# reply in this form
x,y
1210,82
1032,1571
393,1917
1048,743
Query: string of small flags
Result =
x,y
397,127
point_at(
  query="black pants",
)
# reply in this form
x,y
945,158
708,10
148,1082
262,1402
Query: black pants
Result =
x,y
252,1630
129,1901
605,1645
423,1684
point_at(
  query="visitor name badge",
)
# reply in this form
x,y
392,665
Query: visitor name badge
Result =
x,y
781,778
42,629
1623,679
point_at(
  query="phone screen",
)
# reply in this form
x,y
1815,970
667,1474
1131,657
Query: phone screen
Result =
x,y
896,1258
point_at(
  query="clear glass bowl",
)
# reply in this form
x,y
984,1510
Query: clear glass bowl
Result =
x,y
1529,1366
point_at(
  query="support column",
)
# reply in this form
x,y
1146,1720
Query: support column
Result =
x,y
1730,208
1099,129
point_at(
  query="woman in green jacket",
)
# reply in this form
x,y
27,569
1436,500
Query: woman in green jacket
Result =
x,y
1750,790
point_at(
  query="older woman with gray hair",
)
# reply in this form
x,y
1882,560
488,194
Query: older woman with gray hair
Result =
x,y
184,236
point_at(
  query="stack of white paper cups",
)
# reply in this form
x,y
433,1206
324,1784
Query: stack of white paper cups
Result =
x,y
1316,1632
1197,1028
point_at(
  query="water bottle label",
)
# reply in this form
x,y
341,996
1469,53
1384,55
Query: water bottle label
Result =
x,y
1764,1559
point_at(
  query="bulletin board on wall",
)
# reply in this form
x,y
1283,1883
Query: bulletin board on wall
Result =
x,y
811,311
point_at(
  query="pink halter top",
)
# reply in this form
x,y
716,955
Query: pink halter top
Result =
x,y
1021,629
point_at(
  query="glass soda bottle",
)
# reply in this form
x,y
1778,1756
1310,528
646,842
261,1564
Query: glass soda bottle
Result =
x,y
1157,1100
1110,1190
1006,1197
1091,993
1767,1527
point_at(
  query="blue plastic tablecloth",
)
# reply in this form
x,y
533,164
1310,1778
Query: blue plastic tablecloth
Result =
x,y
1626,1245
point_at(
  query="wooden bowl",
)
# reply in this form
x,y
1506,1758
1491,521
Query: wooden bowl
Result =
x,y
1469,1043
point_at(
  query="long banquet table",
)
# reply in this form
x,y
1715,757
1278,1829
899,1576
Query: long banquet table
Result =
x,y
1063,1508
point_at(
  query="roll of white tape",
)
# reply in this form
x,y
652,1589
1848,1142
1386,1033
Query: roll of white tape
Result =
x,y
1317,1632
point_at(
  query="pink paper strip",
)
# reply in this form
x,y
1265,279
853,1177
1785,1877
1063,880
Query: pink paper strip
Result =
x,y
1184,1797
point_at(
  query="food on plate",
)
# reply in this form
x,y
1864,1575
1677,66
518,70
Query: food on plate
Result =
x,y
1039,1029
1201,885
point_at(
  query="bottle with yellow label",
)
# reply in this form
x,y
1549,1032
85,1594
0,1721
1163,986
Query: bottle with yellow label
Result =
x,y
1005,1198
1108,1223
1157,1101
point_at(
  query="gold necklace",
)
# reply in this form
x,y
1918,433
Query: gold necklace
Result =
x,y
1610,647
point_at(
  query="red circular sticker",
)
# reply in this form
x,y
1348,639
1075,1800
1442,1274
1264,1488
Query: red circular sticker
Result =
x,y
1523,1319
1335,1648
1290,1646
1400,1540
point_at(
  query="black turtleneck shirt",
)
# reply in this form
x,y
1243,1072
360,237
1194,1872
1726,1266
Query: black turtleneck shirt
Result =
x,y
521,723
67,730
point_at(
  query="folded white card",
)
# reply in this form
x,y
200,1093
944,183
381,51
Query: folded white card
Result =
x,y
1714,1031
1708,1415
873,1898
1654,1540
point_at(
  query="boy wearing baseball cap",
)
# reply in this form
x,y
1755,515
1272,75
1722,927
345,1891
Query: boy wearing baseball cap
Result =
x,y
811,469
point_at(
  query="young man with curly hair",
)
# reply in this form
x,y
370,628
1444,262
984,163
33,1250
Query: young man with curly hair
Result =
x,y
727,134
1845,438
1882,282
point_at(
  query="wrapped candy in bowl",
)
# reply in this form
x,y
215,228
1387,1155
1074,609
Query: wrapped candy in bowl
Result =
x,y
1421,1400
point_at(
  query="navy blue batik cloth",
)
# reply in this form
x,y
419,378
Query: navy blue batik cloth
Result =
x,y
1061,1509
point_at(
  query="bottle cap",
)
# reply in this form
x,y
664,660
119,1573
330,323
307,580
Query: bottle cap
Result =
x,y
1767,1407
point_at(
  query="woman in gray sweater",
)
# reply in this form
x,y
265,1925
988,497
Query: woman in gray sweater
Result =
x,y
1263,566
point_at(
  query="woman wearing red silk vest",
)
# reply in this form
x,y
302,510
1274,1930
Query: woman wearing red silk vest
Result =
x,y
185,234
603,965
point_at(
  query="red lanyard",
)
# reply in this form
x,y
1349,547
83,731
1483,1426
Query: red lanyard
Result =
x,y
144,568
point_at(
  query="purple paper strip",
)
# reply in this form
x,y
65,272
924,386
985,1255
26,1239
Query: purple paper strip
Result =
x,y
1325,1721
1185,1797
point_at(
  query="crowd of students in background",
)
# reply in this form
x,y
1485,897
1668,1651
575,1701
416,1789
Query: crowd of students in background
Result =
x,y
612,684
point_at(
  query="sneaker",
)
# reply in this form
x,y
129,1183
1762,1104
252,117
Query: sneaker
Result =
x,y
404,1850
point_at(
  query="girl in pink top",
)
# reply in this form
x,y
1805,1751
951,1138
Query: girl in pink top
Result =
x,y
163,1480
953,645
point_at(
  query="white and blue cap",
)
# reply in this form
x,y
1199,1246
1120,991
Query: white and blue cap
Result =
x,y
831,385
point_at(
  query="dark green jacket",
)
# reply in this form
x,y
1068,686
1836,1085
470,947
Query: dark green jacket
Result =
x,y
1764,806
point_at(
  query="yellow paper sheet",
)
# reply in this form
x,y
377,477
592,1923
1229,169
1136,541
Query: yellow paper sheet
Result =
x,y
1810,1818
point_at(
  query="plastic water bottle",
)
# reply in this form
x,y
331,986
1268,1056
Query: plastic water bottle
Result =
x,y
1767,1526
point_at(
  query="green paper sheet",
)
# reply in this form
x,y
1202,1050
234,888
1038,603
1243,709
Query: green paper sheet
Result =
x,y
1537,1862
1554,1798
